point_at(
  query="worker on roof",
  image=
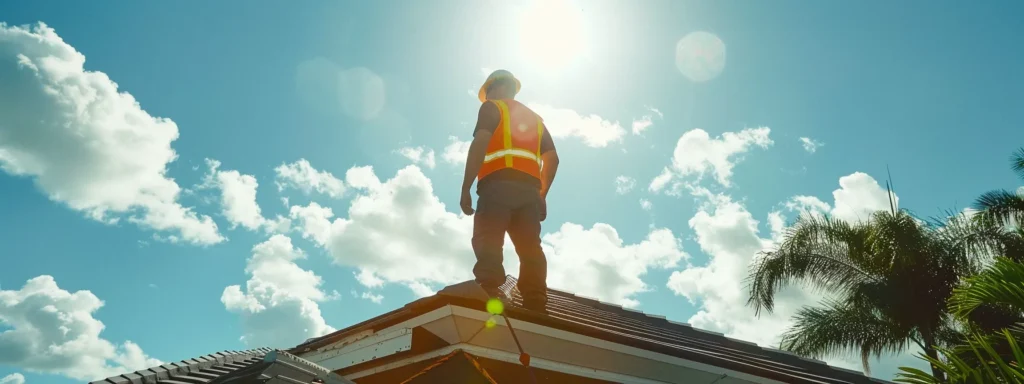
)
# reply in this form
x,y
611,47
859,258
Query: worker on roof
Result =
x,y
514,161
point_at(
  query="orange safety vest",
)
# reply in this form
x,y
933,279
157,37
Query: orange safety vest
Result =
x,y
516,141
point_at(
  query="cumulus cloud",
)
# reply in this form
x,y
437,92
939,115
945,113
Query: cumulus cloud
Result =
x,y
594,130
327,87
729,235
858,196
53,331
302,176
811,145
398,231
696,153
86,144
624,184
238,199
14,378
596,261
419,155
279,306
456,151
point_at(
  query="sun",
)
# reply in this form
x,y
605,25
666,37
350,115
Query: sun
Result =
x,y
551,33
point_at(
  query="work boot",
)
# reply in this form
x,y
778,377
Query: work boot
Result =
x,y
537,305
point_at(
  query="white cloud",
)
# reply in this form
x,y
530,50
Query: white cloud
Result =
x,y
302,176
659,182
811,145
85,143
14,378
53,331
456,151
238,199
358,92
419,155
728,234
646,204
624,184
595,261
696,153
656,111
594,130
279,308
372,297
397,231
238,195
859,195
640,125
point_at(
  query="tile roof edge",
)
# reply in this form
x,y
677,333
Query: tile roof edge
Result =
x,y
802,358
719,334
678,323
741,341
847,370
180,368
317,342
628,309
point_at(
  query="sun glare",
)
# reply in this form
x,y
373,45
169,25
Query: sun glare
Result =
x,y
551,33
700,56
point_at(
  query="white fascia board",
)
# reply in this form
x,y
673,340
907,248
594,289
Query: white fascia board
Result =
x,y
615,347
728,375
332,349
366,349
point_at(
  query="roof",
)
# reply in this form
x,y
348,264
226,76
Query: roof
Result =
x,y
613,323
264,365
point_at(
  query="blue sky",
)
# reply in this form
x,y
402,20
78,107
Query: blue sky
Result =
x,y
930,90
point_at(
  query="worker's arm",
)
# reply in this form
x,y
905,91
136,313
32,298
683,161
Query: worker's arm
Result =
x,y
486,122
549,163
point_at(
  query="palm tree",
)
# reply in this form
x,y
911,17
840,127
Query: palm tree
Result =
x,y
887,279
996,357
1004,206
1001,284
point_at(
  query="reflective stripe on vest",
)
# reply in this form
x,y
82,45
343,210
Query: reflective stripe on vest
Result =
x,y
507,150
510,153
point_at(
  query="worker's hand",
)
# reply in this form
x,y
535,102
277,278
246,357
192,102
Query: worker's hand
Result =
x,y
543,208
466,202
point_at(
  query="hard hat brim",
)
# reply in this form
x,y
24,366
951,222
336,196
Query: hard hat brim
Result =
x,y
483,88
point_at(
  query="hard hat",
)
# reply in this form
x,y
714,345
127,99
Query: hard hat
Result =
x,y
497,75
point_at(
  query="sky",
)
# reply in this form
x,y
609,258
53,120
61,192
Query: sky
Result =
x,y
180,178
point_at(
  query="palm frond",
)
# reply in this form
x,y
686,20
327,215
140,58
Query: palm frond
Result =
x,y
986,366
1001,206
838,328
819,250
1002,284
1017,162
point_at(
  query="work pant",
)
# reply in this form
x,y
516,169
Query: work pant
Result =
x,y
515,208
